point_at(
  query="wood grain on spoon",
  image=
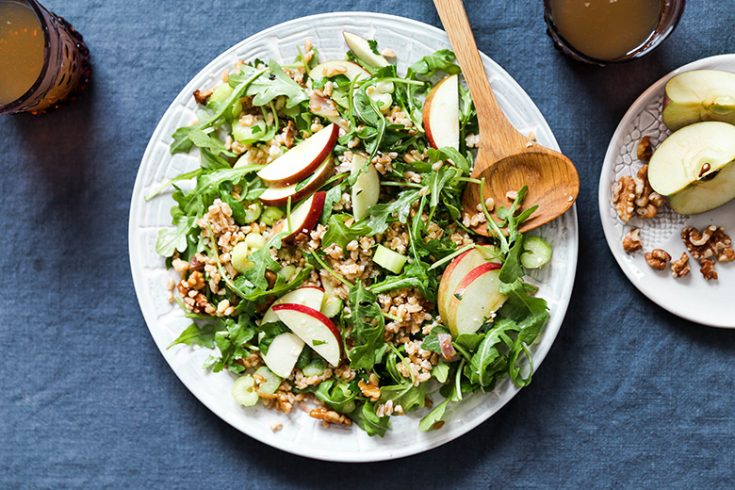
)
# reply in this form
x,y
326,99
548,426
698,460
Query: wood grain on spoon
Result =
x,y
506,159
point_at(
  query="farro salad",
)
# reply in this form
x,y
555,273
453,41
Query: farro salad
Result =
x,y
322,249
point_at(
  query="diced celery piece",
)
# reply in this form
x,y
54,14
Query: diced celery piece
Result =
x,y
536,252
243,391
239,257
314,368
271,383
270,215
388,259
331,306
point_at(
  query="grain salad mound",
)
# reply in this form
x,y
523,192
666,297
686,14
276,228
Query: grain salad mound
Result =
x,y
323,254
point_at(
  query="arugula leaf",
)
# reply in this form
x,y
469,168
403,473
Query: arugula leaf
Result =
x,y
201,335
441,60
382,213
231,342
366,418
170,240
441,371
368,326
404,394
433,419
262,261
482,367
339,395
341,234
267,88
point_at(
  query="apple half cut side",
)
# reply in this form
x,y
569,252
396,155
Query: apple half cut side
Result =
x,y
477,297
283,353
316,330
699,95
441,114
695,167
361,47
301,160
331,69
278,195
310,296
453,274
303,218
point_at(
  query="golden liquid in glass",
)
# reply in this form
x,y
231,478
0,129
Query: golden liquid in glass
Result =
x,y
21,50
605,29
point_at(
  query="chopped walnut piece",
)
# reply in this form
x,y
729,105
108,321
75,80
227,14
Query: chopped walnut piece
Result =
x,y
644,149
707,268
632,241
202,96
624,198
712,242
658,258
371,389
680,267
329,416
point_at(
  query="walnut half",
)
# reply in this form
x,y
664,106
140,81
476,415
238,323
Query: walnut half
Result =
x,y
680,267
707,268
632,241
658,259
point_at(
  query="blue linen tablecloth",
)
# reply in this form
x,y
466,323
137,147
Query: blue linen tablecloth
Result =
x,y
629,395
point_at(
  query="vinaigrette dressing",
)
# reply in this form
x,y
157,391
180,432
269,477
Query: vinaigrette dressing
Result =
x,y
21,50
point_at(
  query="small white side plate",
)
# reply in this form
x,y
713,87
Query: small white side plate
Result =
x,y
706,302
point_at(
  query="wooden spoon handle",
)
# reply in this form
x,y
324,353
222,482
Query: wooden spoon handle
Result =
x,y
498,137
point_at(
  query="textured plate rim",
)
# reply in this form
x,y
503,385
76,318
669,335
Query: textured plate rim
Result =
x,y
604,187
552,329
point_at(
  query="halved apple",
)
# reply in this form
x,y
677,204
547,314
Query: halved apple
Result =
x,y
330,69
303,218
297,163
476,298
441,114
283,353
695,167
315,329
453,274
361,48
278,195
366,189
699,95
310,296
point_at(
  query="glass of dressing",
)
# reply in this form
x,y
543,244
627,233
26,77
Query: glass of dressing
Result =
x,y
610,31
43,60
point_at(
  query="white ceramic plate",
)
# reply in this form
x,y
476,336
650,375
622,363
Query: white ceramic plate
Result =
x,y
301,434
694,298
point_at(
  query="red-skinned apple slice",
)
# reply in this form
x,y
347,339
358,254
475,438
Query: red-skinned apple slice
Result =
x,y
441,114
301,160
303,218
278,195
331,69
476,298
283,353
453,274
310,296
361,47
315,329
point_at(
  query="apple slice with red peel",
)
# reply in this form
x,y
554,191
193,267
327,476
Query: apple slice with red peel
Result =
x,y
283,353
303,218
310,296
316,330
476,298
361,47
301,160
278,195
453,274
366,189
441,114
331,69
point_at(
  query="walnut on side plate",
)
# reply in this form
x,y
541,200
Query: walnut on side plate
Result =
x,y
708,246
658,259
644,150
632,241
680,267
633,196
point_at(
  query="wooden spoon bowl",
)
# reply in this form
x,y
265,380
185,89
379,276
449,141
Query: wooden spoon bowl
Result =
x,y
506,159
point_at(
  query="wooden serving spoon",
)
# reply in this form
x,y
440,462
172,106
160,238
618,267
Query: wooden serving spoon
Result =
x,y
505,158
